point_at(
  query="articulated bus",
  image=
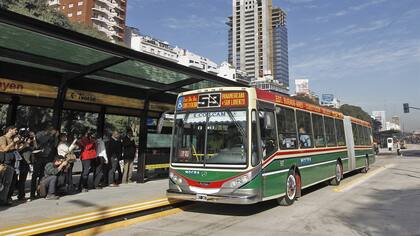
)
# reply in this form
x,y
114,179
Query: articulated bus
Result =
x,y
245,145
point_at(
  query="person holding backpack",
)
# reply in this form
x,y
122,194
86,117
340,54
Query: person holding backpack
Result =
x,y
88,155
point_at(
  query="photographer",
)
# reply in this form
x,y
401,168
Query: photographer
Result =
x,y
28,145
8,145
47,141
63,149
48,184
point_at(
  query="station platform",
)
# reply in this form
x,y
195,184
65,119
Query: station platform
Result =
x,y
98,204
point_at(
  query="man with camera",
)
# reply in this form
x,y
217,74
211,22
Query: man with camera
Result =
x,y
48,184
47,142
8,146
28,145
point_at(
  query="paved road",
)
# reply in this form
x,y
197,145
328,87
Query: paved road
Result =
x,y
385,201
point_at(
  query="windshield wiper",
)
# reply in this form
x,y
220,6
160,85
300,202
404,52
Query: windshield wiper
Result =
x,y
241,130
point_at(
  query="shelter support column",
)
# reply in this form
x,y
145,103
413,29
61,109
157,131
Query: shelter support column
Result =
x,y
141,163
101,122
12,111
59,103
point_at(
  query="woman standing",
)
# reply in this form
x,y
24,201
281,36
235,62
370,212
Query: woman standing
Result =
x,y
87,145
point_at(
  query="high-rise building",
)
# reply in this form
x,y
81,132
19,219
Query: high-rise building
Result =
x,y
258,40
107,16
380,116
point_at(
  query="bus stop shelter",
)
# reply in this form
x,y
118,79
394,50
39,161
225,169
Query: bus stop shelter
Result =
x,y
70,68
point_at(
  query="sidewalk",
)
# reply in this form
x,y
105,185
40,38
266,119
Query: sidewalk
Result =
x,y
94,200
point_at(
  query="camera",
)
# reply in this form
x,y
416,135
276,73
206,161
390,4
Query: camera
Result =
x,y
24,134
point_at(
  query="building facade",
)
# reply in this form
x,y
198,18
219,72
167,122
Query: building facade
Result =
x,y
380,116
143,43
193,60
258,40
107,16
329,100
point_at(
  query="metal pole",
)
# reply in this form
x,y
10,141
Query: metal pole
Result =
x,y
101,122
141,162
59,102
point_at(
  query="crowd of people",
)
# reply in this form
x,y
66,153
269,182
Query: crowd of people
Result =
x,y
50,157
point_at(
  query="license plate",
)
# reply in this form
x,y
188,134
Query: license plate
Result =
x,y
201,197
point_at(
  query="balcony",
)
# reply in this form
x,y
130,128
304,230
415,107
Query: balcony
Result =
x,y
101,10
54,3
117,26
100,19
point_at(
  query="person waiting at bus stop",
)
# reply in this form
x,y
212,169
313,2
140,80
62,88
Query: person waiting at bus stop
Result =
x,y
47,140
66,150
8,146
88,146
48,184
114,153
129,152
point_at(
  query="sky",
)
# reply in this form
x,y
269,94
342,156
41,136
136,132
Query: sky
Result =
x,y
365,52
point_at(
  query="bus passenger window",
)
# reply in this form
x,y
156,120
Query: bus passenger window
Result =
x,y
330,131
268,133
319,132
341,139
286,127
304,129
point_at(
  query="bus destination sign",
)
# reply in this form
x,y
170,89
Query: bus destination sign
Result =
x,y
212,100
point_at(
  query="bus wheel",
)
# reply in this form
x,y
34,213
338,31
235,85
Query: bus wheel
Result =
x,y
291,190
338,174
366,168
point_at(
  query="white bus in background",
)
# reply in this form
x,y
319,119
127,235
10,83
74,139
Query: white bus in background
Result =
x,y
390,143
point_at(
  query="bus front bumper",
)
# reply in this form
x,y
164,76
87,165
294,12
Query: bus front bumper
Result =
x,y
228,199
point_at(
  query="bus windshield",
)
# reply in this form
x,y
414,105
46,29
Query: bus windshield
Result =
x,y
210,138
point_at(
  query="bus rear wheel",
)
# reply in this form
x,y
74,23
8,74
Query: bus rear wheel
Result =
x,y
338,174
291,189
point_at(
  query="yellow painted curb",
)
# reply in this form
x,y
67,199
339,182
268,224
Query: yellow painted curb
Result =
x,y
126,223
74,220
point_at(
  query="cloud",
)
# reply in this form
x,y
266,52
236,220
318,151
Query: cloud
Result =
x,y
341,62
348,10
295,46
372,26
193,22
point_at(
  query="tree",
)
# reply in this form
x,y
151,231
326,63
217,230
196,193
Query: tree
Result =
x,y
355,112
40,9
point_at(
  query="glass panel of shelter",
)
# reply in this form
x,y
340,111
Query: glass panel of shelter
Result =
x,y
34,43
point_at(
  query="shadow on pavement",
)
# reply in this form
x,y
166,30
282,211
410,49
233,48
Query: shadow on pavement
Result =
x,y
391,212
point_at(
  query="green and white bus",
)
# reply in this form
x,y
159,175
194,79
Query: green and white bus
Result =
x,y
245,145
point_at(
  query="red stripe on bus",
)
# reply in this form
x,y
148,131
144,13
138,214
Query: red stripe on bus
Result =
x,y
301,152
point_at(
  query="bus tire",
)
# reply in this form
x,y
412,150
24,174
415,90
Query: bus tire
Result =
x,y
291,190
338,174
367,166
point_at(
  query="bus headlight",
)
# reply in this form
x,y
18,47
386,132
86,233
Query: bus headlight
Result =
x,y
239,181
177,179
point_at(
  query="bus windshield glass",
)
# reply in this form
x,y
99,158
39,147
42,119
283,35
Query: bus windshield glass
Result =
x,y
210,138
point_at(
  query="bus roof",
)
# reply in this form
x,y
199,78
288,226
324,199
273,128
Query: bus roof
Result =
x,y
290,102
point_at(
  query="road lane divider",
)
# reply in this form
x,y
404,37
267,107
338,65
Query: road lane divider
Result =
x,y
126,223
355,182
79,219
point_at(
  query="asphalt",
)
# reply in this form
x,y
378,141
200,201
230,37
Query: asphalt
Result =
x,y
386,201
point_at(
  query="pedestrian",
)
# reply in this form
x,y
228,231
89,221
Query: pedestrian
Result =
x,y
100,162
47,141
47,186
66,150
87,145
8,145
29,145
114,153
129,152
398,146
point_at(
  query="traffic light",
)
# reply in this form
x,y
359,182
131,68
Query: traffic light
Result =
x,y
406,108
